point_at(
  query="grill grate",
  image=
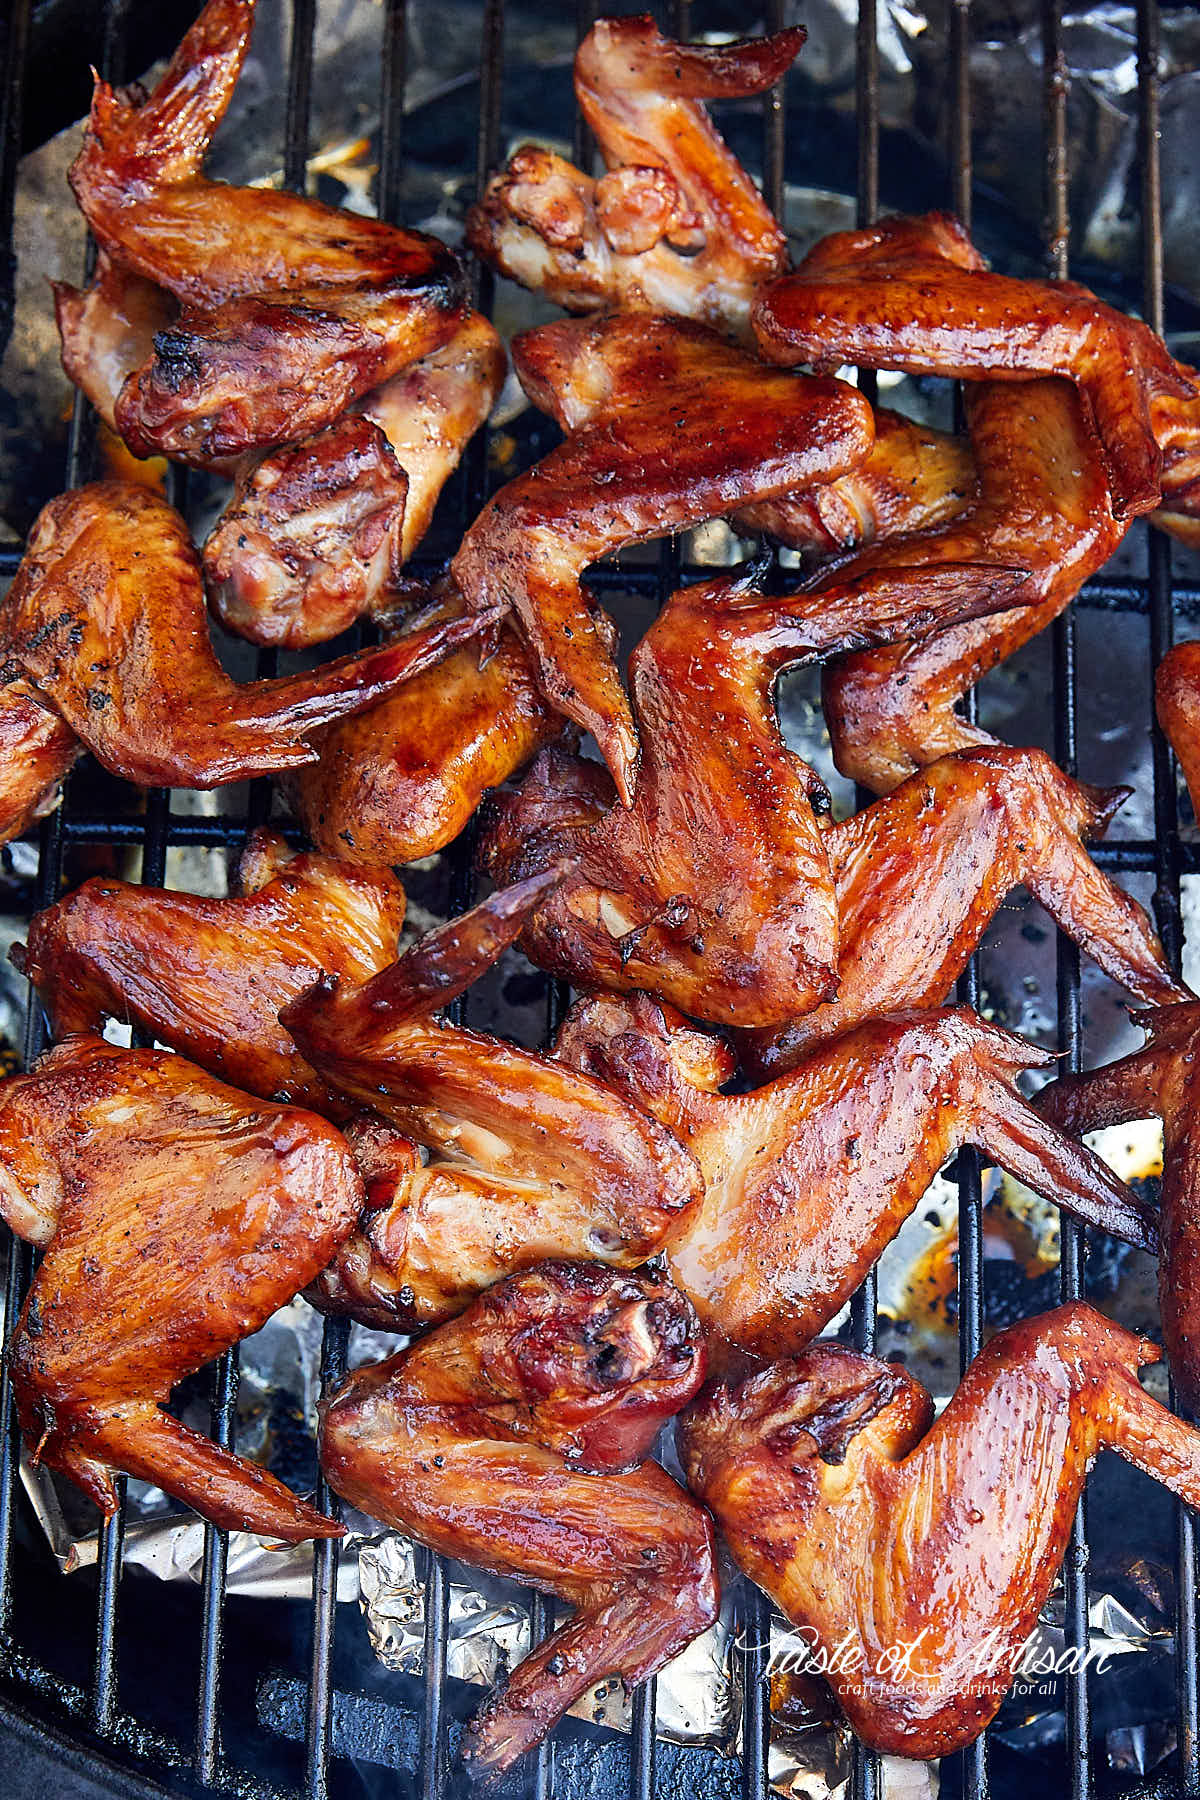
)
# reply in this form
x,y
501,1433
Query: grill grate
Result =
x,y
95,1707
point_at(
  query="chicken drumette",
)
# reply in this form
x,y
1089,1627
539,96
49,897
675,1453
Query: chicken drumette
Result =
x,y
176,1216
514,1438
921,1552
808,1178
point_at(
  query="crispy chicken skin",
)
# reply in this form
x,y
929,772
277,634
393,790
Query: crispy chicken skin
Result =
x,y
37,753
876,1528
667,426
714,888
514,1438
676,226
1160,1081
401,780
290,310
528,1158
108,330
106,617
1177,701
808,1178
883,297
176,1217
208,977
317,533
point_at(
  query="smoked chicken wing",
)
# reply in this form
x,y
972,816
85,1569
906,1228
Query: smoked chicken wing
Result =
x,y
106,617
289,310
676,226
1161,1080
528,1159
808,1178
514,1438
667,426
176,1216
317,533
914,1555
1177,702
888,297
208,977
37,753
714,887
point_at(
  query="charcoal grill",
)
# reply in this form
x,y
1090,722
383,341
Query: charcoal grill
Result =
x,y
102,1726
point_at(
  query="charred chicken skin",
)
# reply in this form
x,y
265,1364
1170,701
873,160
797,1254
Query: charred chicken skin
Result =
x,y
926,1549
514,1437
676,225
176,1216
289,310
106,618
1158,1081
667,426
807,1179
208,977
317,533
528,1158
714,888
913,294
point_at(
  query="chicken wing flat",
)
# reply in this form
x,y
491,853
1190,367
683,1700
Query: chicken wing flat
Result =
x,y
886,297
676,225
668,426
714,888
317,533
924,1549
528,1158
1177,702
37,753
208,977
106,617
402,780
176,1216
290,310
1158,1081
512,1438
808,1178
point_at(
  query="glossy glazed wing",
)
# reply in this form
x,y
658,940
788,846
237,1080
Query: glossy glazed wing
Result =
x,y
106,617
878,297
876,1529
714,888
317,533
808,1178
920,873
676,226
290,309
1177,702
177,1216
1042,503
527,1157
37,753
403,779
208,977
668,426
476,1441
1158,1081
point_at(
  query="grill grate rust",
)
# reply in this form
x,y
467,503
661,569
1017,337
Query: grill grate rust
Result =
x,y
95,1709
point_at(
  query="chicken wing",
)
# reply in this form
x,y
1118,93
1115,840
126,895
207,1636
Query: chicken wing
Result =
x,y
514,1438
37,753
290,310
727,891
176,1217
668,426
883,298
1177,702
208,977
1157,1081
921,1552
528,1159
808,1178
402,780
676,226
714,888
106,618
108,330
317,533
